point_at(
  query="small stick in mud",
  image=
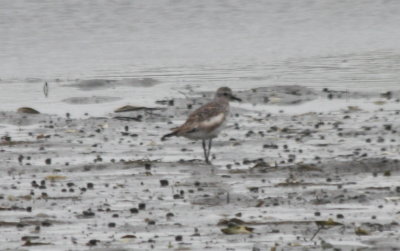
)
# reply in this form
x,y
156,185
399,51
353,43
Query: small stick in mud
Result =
x,y
315,234
46,89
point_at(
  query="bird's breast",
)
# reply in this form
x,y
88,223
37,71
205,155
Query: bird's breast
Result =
x,y
213,122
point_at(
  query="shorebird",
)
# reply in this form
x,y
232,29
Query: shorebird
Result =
x,y
206,122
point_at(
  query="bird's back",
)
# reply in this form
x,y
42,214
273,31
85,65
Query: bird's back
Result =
x,y
205,120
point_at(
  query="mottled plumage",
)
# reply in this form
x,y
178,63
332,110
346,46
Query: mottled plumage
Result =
x,y
206,122
203,122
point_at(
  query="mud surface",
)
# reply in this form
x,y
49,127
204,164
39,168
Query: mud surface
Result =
x,y
300,179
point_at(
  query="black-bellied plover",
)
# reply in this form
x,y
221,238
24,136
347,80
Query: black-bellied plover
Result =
x,y
206,122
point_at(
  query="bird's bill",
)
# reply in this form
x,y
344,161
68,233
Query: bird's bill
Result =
x,y
235,98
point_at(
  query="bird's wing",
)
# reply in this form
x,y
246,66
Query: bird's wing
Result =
x,y
207,117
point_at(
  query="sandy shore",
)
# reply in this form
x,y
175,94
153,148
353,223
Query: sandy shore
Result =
x,y
306,169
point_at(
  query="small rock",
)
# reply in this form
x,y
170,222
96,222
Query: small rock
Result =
x,y
151,222
147,166
48,161
164,183
92,242
46,224
134,210
88,213
142,206
20,158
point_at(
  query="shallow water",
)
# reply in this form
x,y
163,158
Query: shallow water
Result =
x,y
340,45
314,43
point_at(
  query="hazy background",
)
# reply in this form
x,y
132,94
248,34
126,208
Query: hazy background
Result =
x,y
208,39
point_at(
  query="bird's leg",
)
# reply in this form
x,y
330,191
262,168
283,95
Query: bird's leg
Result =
x,y
205,150
209,148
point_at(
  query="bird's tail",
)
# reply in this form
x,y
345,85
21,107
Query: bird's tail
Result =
x,y
163,138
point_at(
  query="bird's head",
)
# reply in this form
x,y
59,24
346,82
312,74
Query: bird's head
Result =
x,y
226,92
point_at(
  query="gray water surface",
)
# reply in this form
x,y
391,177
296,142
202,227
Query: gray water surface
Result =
x,y
313,43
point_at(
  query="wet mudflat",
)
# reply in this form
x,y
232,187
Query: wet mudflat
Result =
x,y
285,175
